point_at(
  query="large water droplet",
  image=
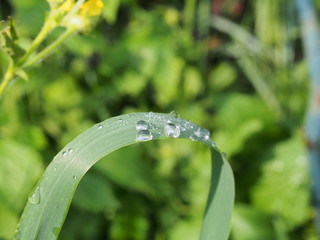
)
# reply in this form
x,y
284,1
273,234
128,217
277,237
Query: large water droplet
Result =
x,y
75,177
100,126
34,198
202,134
70,151
144,135
142,125
64,153
172,130
174,114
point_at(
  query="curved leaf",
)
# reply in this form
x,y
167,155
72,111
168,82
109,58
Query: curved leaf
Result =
x,y
48,204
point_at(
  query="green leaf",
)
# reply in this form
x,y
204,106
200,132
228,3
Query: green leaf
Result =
x,y
284,184
95,194
110,10
222,76
47,208
250,224
112,167
8,40
246,116
20,168
8,222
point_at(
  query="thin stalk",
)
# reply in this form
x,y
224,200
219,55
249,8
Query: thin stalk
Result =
x,y
74,10
259,83
49,49
47,27
8,76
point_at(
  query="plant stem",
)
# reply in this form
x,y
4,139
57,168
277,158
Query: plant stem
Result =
x,y
47,27
7,77
49,49
74,10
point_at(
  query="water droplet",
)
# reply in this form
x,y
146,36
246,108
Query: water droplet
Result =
x,y
144,135
64,153
142,125
34,198
100,126
172,130
75,177
70,151
120,120
202,134
55,169
174,114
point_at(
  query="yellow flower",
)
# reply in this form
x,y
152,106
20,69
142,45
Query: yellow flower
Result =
x,y
91,8
67,5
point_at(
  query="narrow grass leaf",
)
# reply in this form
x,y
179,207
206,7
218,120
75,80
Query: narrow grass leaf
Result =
x,y
48,205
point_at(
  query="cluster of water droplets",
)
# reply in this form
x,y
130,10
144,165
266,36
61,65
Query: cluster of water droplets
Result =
x,y
144,133
68,152
170,129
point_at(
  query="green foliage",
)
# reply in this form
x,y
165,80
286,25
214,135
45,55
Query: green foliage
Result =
x,y
284,185
246,83
20,168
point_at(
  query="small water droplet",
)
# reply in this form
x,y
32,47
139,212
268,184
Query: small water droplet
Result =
x,y
34,198
75,177
55,169
70,151
64,153
174,114
202,133
172,130
120,120
100,126
142,125
144,135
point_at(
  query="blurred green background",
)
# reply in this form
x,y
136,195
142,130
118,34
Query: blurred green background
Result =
x,y
241,75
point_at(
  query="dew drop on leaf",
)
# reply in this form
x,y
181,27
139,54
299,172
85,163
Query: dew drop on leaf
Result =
x,y
144,135
202,134
174,114
64,153
34,198
172,130
142,125
75,177
100,126
70,151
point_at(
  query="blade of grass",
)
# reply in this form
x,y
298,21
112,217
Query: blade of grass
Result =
x,y
48,205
